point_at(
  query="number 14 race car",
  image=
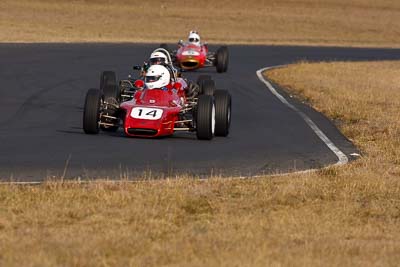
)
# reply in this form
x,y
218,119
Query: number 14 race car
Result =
x,y
161,108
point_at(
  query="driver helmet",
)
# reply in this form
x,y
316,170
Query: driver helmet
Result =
x,y
157,76
194,38
157,58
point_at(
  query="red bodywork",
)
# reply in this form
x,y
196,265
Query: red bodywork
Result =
x,y
190,56
153,113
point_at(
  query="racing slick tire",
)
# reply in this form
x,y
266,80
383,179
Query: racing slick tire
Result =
x,y
222,59
205,117
111,94
207,87
107,78
109,86
223,105
91,112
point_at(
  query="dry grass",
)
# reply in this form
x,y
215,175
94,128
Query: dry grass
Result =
x,y
317,219
315,22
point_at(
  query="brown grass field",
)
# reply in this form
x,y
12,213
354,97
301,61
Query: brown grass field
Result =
x,y
306,22
347,216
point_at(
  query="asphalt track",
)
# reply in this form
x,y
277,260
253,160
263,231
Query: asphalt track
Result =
x,y
42,89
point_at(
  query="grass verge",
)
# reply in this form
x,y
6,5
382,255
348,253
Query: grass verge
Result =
x,y
316,219
305,22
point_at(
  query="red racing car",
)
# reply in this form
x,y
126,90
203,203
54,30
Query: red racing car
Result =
x,y
160,109
195,55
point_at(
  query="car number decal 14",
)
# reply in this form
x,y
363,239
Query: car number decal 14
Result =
x,y
146,113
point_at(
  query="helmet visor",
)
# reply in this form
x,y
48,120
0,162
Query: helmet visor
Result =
x,y
193,40
152,79
157,61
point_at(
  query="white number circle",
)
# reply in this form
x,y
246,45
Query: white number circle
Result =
x,y
146,113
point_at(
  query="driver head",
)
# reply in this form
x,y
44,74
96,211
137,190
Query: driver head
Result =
x,y
157,76
194,38
157,58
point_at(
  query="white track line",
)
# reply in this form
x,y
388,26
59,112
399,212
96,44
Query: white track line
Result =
x,y
342,158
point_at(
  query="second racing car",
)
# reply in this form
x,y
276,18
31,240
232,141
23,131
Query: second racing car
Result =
x,y
193,54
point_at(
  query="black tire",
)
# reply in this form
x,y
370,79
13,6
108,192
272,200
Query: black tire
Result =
x,y
203,77
109,86
207,87
107,78
223,108
111,93
204,117
222,59
91,111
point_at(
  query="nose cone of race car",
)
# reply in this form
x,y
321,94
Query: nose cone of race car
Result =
x,y
189,63
151,115
190,57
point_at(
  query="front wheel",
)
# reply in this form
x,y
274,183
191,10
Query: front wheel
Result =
x,y
91,112
223,107
222,59
205,117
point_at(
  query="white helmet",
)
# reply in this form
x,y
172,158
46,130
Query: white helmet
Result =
x,y
157,76
194,38
157,58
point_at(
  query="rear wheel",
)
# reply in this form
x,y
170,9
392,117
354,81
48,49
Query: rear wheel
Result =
x,y
207,87
107,78
223,106
222,59
91,112
109,86
111,94
205,117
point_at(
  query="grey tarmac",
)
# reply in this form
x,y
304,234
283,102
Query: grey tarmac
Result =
x,y
42,90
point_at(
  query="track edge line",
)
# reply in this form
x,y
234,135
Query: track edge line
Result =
x,y
342,158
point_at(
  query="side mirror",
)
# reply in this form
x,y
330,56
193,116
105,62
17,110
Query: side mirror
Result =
x,y
137,67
